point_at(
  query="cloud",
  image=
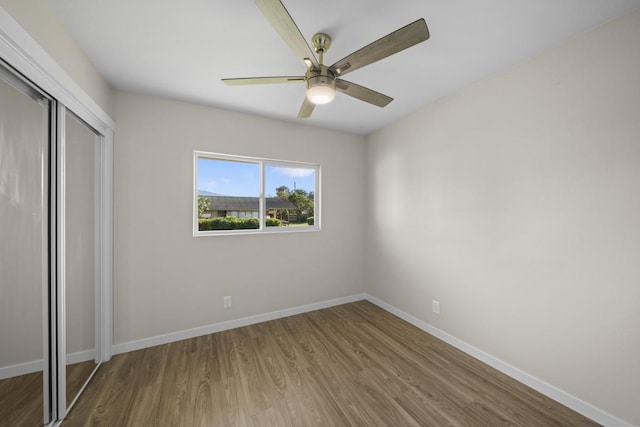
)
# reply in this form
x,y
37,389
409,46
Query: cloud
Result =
x,y
216,185
210,186
294,172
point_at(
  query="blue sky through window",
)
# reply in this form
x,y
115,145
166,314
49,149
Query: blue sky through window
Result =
x,y
232,178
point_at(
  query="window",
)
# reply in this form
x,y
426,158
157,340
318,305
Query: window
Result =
x,y
234,194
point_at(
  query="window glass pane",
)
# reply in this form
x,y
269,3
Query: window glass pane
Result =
x,y
247,194
228,194
290,196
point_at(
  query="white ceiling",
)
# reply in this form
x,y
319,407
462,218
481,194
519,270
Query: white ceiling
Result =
x,y
181,49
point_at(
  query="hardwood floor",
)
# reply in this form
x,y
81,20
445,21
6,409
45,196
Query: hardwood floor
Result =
x,y
351,365
21,401
77,375
21,397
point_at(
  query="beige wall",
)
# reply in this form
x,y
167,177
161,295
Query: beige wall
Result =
x,y
166,280
515,203
37,18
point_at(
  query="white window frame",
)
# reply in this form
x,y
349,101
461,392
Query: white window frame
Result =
x,y
262,162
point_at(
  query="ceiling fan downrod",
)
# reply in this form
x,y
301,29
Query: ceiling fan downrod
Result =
x,y
321,43
321,83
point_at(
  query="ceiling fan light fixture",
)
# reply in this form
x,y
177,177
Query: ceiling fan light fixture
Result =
x,y
321,94
321,89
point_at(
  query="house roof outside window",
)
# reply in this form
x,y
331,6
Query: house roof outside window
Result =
x,y
234,203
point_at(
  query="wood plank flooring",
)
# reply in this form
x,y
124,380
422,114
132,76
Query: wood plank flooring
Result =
x,y
21,401
77,375
351,365
21,397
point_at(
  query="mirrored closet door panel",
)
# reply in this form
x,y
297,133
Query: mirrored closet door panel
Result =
x,y
81,261
24,147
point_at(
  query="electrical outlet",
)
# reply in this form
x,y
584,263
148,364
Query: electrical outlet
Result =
x,y
435,305
226,302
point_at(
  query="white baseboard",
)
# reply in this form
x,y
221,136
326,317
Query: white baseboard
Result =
x,y
230,324
20,369
560,396
36,365
81,356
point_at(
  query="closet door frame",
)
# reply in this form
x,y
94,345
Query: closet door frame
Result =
x,y
58,262
60,307
23,54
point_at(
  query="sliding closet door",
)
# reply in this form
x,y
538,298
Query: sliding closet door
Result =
x,y
81,246
24,242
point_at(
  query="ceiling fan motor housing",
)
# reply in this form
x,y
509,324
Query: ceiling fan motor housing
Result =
x,y
323,76
321,85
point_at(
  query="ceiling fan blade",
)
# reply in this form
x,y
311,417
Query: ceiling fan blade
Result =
x,y
263,80
362,93
306,109
282,22
395,42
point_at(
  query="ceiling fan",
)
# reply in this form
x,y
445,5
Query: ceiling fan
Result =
x,y
322,81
